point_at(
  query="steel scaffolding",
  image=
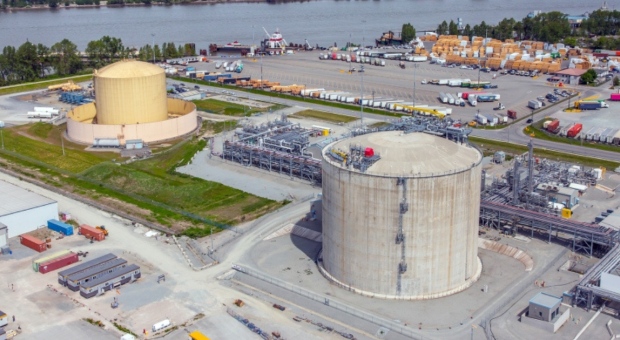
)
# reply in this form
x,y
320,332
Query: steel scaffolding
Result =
x,y
306,168
588,289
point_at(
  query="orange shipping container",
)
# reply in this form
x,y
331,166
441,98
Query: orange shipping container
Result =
x,y
89,231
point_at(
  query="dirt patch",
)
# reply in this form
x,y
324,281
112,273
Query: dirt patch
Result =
x,y
42,233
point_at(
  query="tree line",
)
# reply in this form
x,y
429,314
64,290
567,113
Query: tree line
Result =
x,y
30,62
597,31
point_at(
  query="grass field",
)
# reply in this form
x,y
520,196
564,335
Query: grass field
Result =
x,y
150,185
230,109
490,146
322,115
540,134
42,85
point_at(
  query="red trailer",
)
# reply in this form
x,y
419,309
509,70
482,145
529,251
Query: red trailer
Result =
x,y
58,263
574,131
512,114
466,94
353,58
89,232
553,125
334,56
615,97
33,243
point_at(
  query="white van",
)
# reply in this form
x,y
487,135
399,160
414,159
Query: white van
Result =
x,y
161,325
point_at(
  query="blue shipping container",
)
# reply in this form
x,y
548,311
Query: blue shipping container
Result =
x,y
60,227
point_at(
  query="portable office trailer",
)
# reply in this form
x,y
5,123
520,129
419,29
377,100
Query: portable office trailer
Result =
x,y
109,281
75,281
4,319
80,268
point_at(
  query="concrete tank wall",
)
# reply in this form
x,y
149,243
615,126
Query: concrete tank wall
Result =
x,y
361,223
84,132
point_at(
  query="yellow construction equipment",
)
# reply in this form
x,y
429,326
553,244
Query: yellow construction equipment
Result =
x,y
341,154
68,86
411,109
102,228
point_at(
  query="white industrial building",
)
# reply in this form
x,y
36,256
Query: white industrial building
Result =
x,y
23,211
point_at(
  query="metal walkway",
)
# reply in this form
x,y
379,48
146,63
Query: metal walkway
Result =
x,y
584,236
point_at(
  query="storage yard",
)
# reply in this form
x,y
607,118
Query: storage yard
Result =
x,y
301,223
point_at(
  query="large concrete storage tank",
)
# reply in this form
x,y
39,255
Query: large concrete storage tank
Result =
x,y
406,227
130,92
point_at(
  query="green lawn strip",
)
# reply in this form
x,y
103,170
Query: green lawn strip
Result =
x,y
74,161
287,96
322,115
232,109
493,145
43,85
539,133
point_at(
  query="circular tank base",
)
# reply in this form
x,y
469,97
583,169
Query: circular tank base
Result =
x,y
458,289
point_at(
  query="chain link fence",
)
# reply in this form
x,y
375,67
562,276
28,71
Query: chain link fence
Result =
x,y
380,322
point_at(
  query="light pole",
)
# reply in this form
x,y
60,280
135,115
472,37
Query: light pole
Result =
x,y
349,47
362,71
153,35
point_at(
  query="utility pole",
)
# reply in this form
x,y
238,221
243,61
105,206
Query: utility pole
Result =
x,y
153,34
349,47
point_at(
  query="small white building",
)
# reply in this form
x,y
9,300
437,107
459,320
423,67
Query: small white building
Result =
x,y
23,211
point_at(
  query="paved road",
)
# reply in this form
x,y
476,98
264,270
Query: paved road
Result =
x,y
43,81
513,133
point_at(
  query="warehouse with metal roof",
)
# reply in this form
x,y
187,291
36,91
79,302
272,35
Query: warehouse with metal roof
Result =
x,y
23,211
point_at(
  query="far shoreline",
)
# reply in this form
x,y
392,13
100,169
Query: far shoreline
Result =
x,y
61,6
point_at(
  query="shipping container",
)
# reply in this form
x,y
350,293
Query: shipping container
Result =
x,y
89,232
574,131
32,243
512,114
36,263
589,105
60,227
58,263
553,125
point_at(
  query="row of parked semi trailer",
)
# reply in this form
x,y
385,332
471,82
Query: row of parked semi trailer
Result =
x,y
460,98
575,130
375,58
392,104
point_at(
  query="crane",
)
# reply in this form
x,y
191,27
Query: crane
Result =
x,y
421,109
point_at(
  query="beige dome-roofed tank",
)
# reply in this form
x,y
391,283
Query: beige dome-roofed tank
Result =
x,y
130,92
407,226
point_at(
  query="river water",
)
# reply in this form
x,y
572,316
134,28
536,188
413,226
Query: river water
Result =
x,y
322,22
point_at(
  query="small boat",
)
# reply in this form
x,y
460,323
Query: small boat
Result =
x,y
218,64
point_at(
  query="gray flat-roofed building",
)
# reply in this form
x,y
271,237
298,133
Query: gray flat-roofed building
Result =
x,y
82,267
544,307
109,281
23,211
76,280
4,235
558,194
